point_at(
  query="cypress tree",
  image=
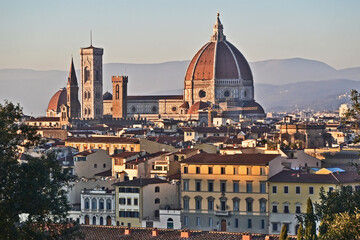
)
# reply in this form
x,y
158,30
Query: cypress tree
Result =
x,y
300,232
310,225
283,234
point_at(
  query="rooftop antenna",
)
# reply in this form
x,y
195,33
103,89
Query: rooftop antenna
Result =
x,y
90,38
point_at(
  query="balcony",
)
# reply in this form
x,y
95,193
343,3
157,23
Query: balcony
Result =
x,y
222,213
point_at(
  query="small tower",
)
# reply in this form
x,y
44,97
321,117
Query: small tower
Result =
x,y
91,82
119,96
72,91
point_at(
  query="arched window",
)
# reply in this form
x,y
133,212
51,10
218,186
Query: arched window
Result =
x,y
157,189
89,111
198,202
87,203
170,223
87,220
186,202
108,221
210,203
101,221
249,204
108,204
93,204
117,91
85,111
87,74
157,200
262,202
101,205
94,220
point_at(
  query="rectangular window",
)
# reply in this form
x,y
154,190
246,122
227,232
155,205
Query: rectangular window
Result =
x,y
286,189
95,165
198,185
236,186
262,187
197,221
236,222
197,204
298,209
274,227
210,186
211,222
186,203
185,169
262,224
222,170
235,171
186,220
262,171
197,170
248,171
223,186
129,201
286,209
210,170
249,187
297,190
249,223
211,204
274,209
274,189
186,185
122,201
311,190
135,201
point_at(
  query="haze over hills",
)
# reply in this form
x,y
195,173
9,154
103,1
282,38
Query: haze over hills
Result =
x,y
283,84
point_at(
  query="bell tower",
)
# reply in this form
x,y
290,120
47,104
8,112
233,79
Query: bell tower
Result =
x,y
91,82
119,96
72,91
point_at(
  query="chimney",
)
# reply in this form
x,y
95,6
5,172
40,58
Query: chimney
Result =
x,y
127,231
185,234
155,232
247,236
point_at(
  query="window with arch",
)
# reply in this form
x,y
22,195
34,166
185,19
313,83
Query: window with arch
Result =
x,y
236,204
94,220
211,203
87,203
157,189
249,204
117,91
198,201
108,221
101,205
170,223
153,109
85,111
157,200
89,111
93,204
87,74
108,204
87,220
186,200
101,221
262,202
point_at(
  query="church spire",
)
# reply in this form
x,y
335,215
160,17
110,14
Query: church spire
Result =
x,y
218,34
72,75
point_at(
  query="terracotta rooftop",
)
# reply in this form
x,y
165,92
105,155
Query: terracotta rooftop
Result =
x,y
44,119
125,154
57,100
93,232
140,182
197,106
154,97
102,140
236,159
299,176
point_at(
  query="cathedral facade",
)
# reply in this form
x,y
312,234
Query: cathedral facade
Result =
x,y
218,82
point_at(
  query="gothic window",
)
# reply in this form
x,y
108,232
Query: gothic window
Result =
x,y
117,92
87,74
85,111
89,111
153,109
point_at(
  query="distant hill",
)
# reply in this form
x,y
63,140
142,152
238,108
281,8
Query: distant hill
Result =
x,y
279,84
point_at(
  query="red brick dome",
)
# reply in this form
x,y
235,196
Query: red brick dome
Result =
x,y
218,59
57,100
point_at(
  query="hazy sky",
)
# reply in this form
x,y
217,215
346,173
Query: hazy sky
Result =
x,y
44,34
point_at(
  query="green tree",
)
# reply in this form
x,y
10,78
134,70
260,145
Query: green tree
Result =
x,y
33,189
283,233
310,222
343,226
300,232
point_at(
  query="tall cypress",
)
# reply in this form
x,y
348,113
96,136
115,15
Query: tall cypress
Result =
x,y
310,225
300,232
283,234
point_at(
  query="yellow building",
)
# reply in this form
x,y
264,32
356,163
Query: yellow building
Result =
x,y
226,192
290,189
110,144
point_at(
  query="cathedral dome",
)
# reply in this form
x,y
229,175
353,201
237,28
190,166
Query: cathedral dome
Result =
x,y
218,59
57,100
